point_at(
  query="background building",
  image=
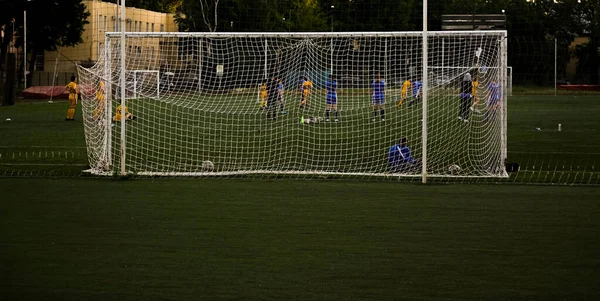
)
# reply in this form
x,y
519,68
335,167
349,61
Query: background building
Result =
x,y
103,18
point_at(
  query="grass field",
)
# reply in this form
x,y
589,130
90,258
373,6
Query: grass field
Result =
x,y
38,142
78,238
202,239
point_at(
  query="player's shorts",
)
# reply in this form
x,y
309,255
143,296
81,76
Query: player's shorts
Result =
x,y
331,100
378,101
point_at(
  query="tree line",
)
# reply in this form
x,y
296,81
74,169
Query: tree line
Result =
x,y
59,23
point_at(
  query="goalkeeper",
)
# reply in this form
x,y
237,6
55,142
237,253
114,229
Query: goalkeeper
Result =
x,y
400,160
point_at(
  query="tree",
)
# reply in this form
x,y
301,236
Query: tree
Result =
x,y
198,15
50,24
164,6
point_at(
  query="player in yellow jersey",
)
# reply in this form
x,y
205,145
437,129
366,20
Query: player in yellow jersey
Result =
x,y
405,86
263,95
128,116
474,92
99,109
306,89
72,89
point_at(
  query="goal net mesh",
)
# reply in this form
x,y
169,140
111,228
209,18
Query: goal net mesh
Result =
x,y
198,98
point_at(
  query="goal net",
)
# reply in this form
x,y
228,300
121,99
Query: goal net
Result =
x,y
144,83
263,103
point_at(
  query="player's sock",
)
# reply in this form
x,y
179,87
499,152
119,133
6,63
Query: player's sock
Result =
x,y
336,114
382,113
327,114
374,114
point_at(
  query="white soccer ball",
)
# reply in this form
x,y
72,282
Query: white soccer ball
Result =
x,y
8,119
454,169
207,165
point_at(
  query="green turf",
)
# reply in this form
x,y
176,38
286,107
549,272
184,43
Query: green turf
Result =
x,y
178,239
39,142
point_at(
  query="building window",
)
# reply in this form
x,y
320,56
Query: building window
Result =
x,y
100,23
105,24
135,25
140,26
162,27
152,27
147,26
39,62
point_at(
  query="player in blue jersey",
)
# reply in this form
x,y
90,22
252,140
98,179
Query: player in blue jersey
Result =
x,y
378,95
400,159
417,93
495,94
466,88
331,101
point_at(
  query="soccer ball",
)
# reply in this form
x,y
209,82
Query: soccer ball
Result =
x,y
207,165
454,169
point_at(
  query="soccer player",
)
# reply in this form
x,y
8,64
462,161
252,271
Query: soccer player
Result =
x,y
400,159
474,92
331,100
273,91
417,93
263,95
405,87
495,94
306,88
378,94
128,116
97,113
72,89
466,88
280,97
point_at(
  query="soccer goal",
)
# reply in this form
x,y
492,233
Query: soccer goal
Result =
x,y
143,83
198,114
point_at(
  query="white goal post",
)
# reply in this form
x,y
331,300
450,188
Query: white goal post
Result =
x,y
196,103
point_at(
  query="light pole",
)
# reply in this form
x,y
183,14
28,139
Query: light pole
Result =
x,y
332,7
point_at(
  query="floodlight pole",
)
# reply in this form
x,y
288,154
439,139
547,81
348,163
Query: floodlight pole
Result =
x,y
123,104
424,87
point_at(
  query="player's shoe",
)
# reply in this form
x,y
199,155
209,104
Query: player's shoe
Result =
x,y
466,120
327,120
336,120
382,119
460,118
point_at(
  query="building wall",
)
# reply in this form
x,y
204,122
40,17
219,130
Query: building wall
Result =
x,y
101,20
